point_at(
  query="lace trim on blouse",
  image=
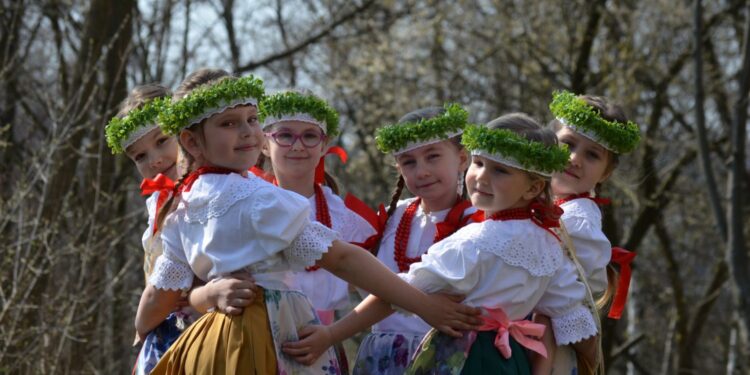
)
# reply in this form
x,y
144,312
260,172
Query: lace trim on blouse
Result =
x,y
536,252
171,275
574,326
310,245
235,190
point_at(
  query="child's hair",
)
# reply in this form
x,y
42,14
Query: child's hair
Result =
x,y
139,95
530,129
414,117
194,80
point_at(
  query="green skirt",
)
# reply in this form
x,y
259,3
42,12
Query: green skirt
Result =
x,y
473,354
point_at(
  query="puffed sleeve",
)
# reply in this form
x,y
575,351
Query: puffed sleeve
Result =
x,y
450,265
280,222
593,249
563,302
171,269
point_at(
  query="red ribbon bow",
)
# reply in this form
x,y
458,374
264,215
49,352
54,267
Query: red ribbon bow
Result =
x,y
259,172
188,182
376,220
546,216
320,170
623,258
452,221
542,215
526,333
161,184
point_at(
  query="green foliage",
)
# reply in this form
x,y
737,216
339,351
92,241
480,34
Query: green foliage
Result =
x,y
120,128
182,113
619,137
392,138
534,156
289,103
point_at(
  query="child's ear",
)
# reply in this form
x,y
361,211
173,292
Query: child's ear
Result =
x,y
190,143
465,158
264,149
536,188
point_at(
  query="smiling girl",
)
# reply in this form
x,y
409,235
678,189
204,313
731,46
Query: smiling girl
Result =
x,y
431,162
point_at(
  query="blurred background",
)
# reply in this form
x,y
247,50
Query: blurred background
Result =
x,y
71,215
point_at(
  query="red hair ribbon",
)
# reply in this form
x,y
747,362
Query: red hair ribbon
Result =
x,y
526,333
320,169
599,201
623,258
376,220
161,184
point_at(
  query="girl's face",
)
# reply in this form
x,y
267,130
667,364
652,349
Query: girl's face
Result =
x,y
432,172
295,148
154,153
494,187
589,165
231,139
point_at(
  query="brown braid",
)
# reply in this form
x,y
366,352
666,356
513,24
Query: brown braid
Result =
x,y
167,208
396,195
331,183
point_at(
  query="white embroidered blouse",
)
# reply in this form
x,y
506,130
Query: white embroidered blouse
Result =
x,y
421,237
326,291
583,220
514,265
227,223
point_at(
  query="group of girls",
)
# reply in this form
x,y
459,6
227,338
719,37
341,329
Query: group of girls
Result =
x,y
250,250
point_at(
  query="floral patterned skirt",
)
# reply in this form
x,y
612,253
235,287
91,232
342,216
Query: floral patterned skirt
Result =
x,y
159,340
385,353
474,353
249,343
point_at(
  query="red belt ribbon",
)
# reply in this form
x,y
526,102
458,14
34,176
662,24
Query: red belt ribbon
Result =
x,y
527,334
623,258
161,184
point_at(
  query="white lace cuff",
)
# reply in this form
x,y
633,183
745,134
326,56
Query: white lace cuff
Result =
x,y
310,245
171,275
574,326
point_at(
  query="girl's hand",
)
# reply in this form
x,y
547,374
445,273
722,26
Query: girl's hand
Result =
x,y
314,341
182,302
447,315
232,293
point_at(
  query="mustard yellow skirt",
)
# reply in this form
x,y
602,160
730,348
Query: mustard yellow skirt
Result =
x,y
224,344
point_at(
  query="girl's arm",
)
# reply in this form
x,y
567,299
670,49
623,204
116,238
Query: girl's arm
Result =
x,y
359,267
154,307
227,294
539,364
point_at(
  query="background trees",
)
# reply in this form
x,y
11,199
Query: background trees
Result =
x,y
70,215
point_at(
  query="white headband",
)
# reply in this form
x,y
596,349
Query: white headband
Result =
x,y
507,161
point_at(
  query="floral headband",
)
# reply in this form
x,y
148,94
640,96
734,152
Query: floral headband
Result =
x,y
513,150
574,112
122,132
403,137
295,106
210,100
